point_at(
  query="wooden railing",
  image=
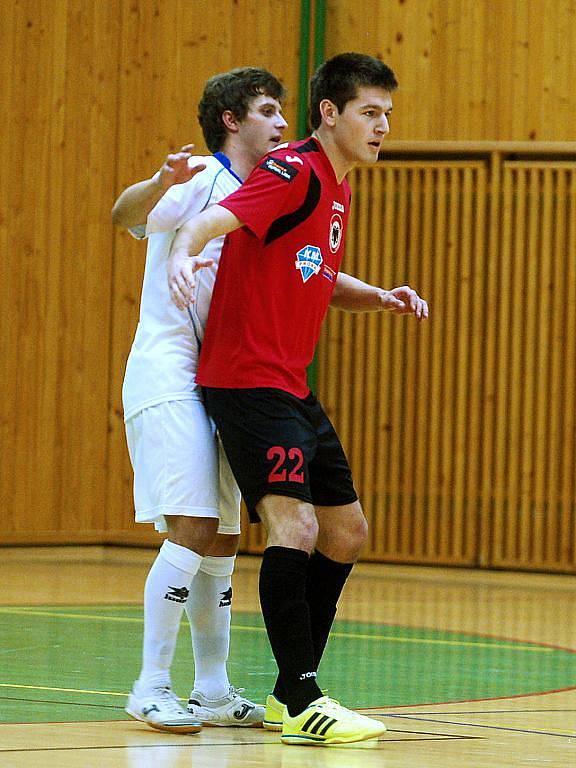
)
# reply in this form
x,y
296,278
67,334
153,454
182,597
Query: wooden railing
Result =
x,y
461,431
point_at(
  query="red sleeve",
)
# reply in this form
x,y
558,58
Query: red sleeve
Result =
x,y
273,188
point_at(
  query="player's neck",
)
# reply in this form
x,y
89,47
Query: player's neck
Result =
x,y
241,163
341,164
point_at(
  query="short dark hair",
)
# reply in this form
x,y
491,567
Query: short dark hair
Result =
x,y
233,90
339,78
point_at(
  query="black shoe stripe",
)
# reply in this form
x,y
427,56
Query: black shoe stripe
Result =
x,y
318,724
327,726
310,721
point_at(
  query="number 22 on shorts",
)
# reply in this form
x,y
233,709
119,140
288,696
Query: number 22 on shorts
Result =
x,y
288,465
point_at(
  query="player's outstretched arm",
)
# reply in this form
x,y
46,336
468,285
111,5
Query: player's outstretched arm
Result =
x,y
354,295
190,240
136,201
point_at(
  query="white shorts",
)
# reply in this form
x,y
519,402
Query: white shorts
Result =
x,y
180,467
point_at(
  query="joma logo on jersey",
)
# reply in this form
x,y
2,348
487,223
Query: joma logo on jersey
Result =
x,y
308,261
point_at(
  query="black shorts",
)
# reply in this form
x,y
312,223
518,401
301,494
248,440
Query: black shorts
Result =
x,y
279,444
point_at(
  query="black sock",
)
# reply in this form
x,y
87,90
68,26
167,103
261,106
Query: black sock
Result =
x,y
324,584
287,619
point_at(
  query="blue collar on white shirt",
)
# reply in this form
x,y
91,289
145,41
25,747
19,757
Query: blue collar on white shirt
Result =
x,y
221,157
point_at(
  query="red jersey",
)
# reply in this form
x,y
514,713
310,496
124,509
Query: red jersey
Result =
x,y
276,273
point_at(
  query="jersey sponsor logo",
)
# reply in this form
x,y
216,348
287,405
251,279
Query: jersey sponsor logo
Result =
x,y
336,229
328,273
336,206
309,260
279,168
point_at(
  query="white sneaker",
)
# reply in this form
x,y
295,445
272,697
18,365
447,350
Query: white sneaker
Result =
x,y
160,708
232,709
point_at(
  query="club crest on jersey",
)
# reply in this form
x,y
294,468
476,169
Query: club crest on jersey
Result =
x,y
279,168
309,260
336,229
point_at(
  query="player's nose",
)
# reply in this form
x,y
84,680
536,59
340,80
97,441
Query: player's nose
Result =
x,y
383,126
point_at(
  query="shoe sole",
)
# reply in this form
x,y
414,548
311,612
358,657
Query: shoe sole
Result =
x,y
168,728
307,741
270,725
214,724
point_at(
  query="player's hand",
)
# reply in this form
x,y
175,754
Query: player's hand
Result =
x,y
177,170
181,277
404,301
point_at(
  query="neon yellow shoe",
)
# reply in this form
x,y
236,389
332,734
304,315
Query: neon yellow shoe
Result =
x,y
325,722
273,715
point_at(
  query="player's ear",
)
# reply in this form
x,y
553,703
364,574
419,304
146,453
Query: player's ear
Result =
x,y
230,121
328,111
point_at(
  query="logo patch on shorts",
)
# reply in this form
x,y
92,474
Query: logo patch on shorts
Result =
x,y
279,168
309,260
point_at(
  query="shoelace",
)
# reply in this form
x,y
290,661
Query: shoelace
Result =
x,y
170,700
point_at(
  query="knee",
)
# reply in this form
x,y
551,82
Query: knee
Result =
x,y
353,536
289,523
195,533
343,538
306,530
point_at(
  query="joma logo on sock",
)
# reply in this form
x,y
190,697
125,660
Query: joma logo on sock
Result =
x,y
226,598
177,594
307,675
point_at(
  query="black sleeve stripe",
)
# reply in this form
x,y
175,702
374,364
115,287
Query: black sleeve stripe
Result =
x,y
291,220
309,146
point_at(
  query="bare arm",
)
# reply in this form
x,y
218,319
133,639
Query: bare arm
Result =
x,y
136,201
354,295
190,240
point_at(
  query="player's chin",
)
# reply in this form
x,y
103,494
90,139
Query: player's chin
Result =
x,y
372,153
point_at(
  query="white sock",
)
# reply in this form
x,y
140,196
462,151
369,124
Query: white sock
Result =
x,y
208,609
165,595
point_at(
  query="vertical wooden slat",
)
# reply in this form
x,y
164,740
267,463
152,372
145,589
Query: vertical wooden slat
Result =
x,y
424,285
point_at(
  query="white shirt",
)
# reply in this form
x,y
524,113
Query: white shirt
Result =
x,y
164,356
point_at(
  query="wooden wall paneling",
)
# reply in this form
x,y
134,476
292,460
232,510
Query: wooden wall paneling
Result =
x,y
382,524
378,369
168,52
25,273
61,249
448,461
464,451
543,393
438,299
491,309
10,203
527,519
557,235
566,342
534,297
90,138
410,500
423,513
479,404
418,508
469,70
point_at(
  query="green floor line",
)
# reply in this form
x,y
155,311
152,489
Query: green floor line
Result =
x,y
61,690
69,664
352,635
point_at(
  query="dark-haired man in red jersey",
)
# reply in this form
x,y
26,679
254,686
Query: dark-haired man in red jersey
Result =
x,y
278,273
